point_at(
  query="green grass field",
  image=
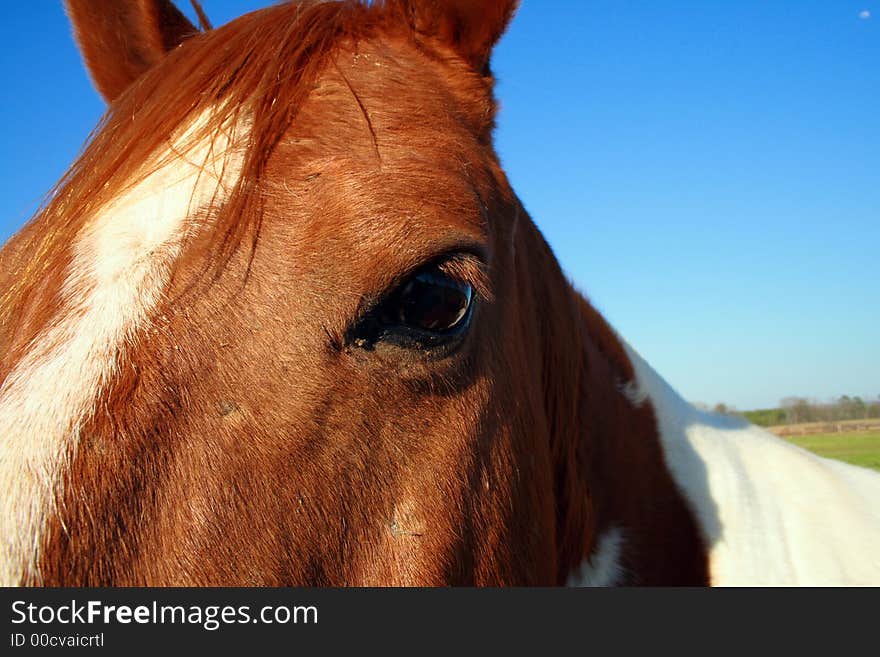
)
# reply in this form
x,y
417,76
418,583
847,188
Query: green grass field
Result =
x,y
861,448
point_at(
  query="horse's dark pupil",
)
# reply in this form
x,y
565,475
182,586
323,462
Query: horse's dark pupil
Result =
x,y
433,301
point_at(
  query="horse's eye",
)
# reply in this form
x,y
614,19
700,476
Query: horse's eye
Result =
x,y
430,301
429,313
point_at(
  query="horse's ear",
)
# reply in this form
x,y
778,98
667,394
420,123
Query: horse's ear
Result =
x,y
120,39
472,27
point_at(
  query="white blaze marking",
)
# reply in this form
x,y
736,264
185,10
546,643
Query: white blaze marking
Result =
x,y
603,568
770,512
121,266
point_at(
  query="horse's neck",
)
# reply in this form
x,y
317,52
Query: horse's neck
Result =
x,y
768,512
652,491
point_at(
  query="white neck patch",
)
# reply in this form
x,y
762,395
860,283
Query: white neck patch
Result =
x,y
602,568
120,269
770,512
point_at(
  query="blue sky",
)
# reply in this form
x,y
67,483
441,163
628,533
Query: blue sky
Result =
x,y
707,172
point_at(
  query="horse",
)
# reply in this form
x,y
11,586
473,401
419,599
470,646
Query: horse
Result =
x,y
285,323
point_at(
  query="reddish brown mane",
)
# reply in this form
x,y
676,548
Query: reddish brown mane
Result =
x,y
244,440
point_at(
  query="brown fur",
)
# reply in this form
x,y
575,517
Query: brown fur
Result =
x,y
124,39
244,440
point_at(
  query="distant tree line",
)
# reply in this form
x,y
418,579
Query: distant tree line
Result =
x,y
797,410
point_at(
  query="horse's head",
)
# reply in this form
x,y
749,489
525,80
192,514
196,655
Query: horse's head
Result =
x,y
316,338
